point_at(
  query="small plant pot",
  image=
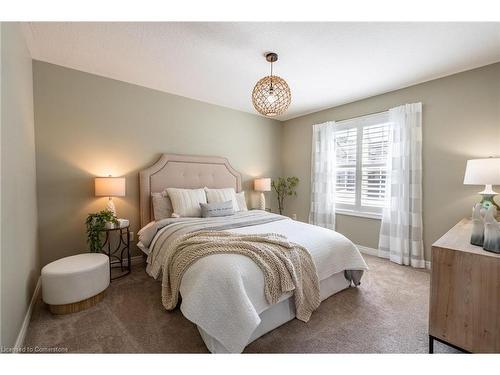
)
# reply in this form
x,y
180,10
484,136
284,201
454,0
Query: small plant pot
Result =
x,y
109,225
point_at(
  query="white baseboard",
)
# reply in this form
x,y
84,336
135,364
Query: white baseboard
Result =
x,y
24,327
374,252
367,250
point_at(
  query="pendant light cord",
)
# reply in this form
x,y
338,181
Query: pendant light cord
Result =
x,y
271,79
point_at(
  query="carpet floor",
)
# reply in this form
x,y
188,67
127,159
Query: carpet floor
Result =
x,y
388,313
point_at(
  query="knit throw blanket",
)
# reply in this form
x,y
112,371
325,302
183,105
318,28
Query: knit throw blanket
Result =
x,y
286,266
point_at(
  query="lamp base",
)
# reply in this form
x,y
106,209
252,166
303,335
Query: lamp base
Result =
x,y
262,202
488,201
487,194
110,206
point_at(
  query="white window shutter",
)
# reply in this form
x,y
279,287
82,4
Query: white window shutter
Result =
x,y
361,152
374,165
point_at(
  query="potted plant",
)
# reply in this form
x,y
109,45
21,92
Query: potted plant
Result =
x,y
96,223
284,187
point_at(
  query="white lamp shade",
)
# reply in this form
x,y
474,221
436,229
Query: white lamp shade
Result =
x,y
262,184
109,186
482,172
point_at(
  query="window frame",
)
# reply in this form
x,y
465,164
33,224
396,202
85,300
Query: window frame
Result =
x,y
359,123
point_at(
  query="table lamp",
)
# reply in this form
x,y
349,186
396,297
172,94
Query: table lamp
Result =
x,y
484,172
262,185
110,187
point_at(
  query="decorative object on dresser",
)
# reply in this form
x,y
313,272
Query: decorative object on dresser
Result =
x,y
491,231
262,185
271,95
75,283
465,289
110,187
477,230
485,230
484,172
284,187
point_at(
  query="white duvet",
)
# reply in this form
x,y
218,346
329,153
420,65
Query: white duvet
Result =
x,y
224,293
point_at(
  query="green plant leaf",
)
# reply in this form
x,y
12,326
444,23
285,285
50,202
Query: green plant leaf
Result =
x,y
95,225
284,186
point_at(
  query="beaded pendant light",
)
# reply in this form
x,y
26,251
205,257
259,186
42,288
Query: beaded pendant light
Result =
x,y
271,95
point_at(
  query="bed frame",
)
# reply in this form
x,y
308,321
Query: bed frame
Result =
x,y
191,172
184,171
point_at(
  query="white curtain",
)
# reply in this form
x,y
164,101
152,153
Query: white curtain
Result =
x,y
401,228
323,177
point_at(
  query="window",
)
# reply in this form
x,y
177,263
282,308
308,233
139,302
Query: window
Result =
x,y
361,156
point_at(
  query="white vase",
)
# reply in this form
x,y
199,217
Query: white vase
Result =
x,y
477,235
491,231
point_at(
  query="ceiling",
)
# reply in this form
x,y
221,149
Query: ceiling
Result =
x,y
325,64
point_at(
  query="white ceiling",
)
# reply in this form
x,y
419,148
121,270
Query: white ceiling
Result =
x,y
325,64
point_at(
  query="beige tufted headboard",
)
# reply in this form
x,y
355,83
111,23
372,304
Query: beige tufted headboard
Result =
x,y
184,171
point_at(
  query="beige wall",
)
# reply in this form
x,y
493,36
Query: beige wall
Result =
x,y
461,120
19,253
90,126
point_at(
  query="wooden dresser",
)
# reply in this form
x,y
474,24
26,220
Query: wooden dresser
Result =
x,y
465,293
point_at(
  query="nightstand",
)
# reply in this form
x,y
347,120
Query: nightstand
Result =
x,y
118,252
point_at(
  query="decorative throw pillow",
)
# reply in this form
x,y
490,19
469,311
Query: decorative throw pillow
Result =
x,y
186,202
162,206
242,202
217,209
222,195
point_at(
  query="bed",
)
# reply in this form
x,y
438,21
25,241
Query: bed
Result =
x,y
223,293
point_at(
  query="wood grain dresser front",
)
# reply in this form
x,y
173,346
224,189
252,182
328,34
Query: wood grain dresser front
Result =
x,y
465,293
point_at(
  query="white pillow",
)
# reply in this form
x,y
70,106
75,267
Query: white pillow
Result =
x,y
222,195
147,233
242,202
186,202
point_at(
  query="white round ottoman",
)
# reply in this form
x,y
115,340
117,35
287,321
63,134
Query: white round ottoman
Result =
x,y
75,283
